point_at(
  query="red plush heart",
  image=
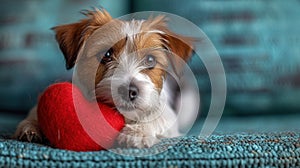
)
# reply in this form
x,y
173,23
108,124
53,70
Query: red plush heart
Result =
x,y
71,122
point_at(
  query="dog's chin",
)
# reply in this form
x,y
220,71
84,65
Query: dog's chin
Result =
x,y
138,114
125,108
130,112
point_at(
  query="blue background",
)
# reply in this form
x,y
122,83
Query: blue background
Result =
x,y
258,43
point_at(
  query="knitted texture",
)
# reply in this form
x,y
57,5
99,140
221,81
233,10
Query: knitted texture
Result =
x,y
90,126
234,150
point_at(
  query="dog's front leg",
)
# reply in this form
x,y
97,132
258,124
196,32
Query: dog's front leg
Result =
x,y
137,136
28,129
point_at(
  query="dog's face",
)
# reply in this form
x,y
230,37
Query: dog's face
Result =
x,y
124,63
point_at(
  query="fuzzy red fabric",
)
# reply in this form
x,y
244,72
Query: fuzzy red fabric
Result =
x,y
71,122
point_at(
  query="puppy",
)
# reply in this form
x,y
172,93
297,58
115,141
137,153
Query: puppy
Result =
x,y
134,66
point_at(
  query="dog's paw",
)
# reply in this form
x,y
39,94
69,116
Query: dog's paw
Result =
x,y
134,137
28,130
148,141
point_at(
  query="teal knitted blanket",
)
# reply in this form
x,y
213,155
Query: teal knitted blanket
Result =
x,y
220,150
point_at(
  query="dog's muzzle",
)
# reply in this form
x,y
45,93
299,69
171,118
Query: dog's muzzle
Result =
x,y
128,92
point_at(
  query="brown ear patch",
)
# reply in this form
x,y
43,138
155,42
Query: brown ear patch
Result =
x,y
180,47
71,37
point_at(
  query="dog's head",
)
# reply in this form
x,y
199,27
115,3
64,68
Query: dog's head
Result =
x,y
124,63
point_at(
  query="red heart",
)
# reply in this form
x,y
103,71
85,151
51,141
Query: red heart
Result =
x,y
70,122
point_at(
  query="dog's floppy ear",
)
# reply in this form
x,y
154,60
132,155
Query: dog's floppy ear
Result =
x,y
71,37
180,47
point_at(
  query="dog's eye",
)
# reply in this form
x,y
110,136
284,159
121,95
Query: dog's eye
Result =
x,y
107,56
150,61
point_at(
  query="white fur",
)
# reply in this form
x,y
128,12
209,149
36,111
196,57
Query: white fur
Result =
x,y
145,133
131,28
149,118
155,31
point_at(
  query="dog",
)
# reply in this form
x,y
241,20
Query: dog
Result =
x,y
135,66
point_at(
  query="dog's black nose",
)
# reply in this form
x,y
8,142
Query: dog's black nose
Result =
x,y
133,92
128,93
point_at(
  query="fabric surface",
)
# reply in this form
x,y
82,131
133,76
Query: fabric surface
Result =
x,y
220,150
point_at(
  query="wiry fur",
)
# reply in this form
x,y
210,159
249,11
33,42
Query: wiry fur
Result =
x,y
152,115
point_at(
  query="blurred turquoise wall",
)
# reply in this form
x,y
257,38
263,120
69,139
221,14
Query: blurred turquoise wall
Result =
x,y
258,42
30,59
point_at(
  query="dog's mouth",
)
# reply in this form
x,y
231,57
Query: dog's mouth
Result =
x,y
117,103
133,110
125,108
